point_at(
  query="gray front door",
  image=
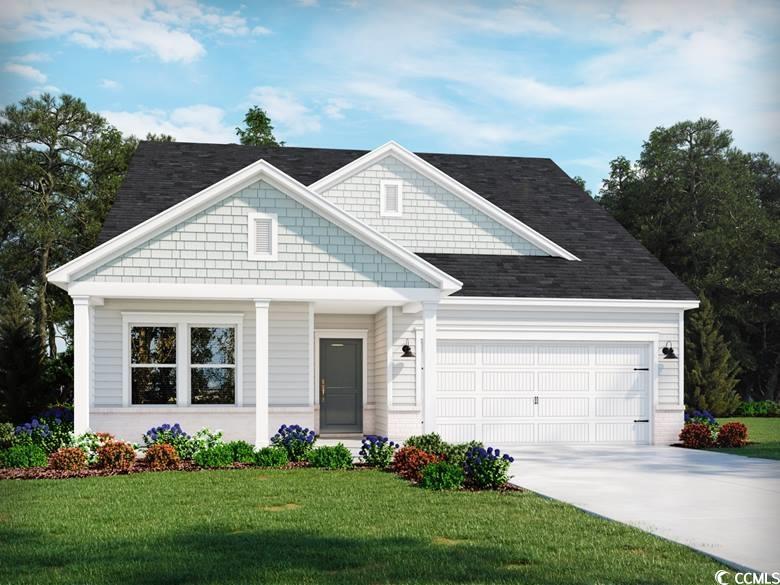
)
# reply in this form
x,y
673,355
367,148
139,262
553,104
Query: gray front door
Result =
x,y
341,385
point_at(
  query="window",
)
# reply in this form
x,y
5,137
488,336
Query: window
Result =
x,y
390,198
182,359
153,365
212,365
262,241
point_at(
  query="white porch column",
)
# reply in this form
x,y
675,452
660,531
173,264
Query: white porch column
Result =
x,y
261,372
82,361
429,366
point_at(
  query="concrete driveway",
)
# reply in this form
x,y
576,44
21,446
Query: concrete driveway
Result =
x,y
726,506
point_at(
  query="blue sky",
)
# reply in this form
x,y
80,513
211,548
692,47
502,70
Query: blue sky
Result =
x,y
579,82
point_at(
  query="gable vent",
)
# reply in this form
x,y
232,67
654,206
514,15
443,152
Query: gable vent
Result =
x,y
391,202
262,236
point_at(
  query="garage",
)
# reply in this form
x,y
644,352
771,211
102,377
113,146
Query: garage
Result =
x,y
507,392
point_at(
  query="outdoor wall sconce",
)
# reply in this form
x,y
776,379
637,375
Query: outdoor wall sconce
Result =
x,y
407,351
668,351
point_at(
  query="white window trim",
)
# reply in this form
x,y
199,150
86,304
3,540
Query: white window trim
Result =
x,y
182,322
252,219
383,211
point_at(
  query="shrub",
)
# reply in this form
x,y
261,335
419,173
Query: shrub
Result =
x,y
50,430
442,475
703,417
430,443
296,440
456,453
172,435
220,455
695,435
486,468
162,456
733,434
243,452
89,443
204,439
271,457
408,462
26,454
115,455
336,457
68,459
377,451
6,435
759,408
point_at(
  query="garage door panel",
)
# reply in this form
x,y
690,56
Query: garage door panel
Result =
x,y
620,355
563,355
505,433
622,433
622,382
508,381
508,354
456,407
456,354
507,407
570,432
568,407
457,433
456,381
627,406
572,381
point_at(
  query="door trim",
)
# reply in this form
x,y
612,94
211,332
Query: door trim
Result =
x,y
361,334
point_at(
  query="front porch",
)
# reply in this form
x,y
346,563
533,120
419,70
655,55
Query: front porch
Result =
x,y
273,369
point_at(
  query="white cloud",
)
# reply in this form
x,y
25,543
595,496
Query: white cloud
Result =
x,y
308,3
37,91
197,123
25,71
110,84
287,113
32,58
334,108
261,31
164,28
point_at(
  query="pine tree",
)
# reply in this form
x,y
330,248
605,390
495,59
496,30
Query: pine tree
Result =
x,y
710,370
22,393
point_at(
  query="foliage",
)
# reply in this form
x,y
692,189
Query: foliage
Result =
x,y
456,452
486,468
259,131
377,451
297,440
710,213
220,455
23,455
60,166
408,462
442,475
22,392
710,371
51,430
115,455
204,439
430,443
243,452
271,457
89,443
703,417
330,457
162,456
759,408
733,434
6,435
696,436
68,459
170,435
581,182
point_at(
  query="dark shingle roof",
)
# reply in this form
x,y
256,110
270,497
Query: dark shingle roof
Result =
x,y
534,190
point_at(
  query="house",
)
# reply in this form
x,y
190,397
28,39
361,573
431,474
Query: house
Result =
x,y
387,292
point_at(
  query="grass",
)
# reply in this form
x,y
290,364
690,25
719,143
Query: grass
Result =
x,y
315,526
764,434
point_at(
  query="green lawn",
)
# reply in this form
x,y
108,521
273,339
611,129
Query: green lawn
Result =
x,y
313,526
763,432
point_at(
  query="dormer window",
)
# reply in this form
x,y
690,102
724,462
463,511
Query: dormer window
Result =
x,y
262,242
391,198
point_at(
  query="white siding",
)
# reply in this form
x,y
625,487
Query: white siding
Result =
x,y
404,369
433,219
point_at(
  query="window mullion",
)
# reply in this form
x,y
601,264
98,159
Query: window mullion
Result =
x,y
182,364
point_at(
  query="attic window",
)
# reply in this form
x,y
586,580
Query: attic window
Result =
x,y
391,198
262,236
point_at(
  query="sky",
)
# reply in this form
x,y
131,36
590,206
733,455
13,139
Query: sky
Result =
x,y
578,82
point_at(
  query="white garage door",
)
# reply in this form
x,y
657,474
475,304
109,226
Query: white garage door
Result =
x,y
517,392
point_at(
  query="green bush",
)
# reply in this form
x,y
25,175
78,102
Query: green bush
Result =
x,y
243,452
6,435
456,452
336,457
759,408
271,457
430,443
23,455
442,476
220,455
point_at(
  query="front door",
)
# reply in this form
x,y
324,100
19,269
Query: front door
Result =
x,y
341,385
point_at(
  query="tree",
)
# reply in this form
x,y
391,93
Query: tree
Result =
x,y
60,166
709,212
22,393
258,131
710,371
152,137
583,185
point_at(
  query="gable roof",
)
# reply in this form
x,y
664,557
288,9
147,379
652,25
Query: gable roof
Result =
x,y
256,171
533,190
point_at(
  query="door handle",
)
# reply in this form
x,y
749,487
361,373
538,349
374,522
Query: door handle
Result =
x,y
641,420
536,400
322,390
